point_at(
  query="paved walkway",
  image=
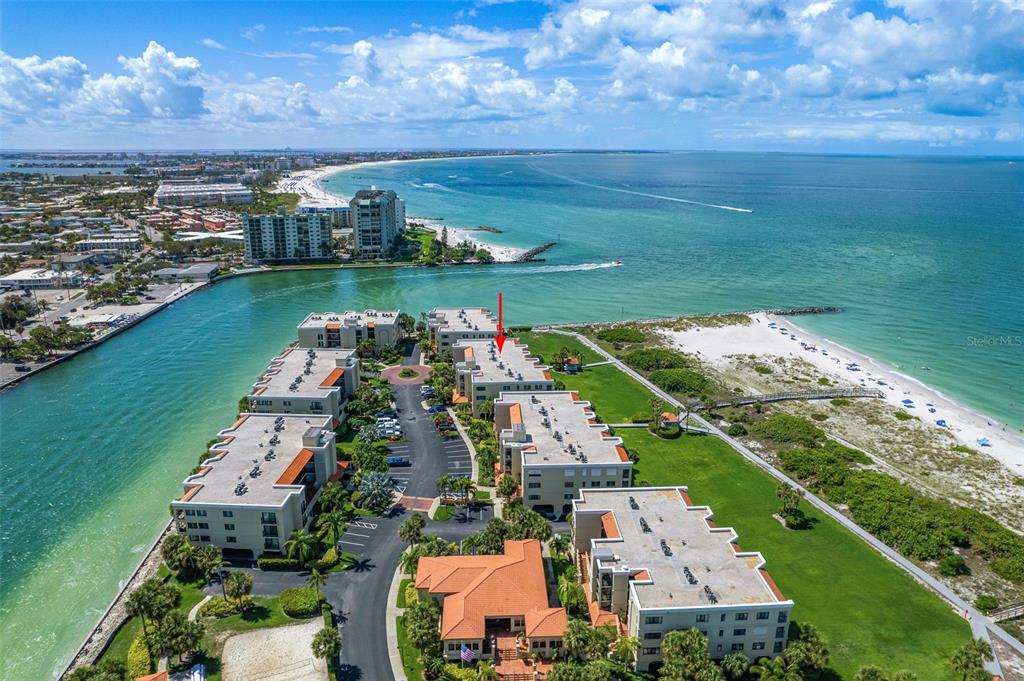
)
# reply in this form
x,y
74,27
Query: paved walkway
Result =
x,y
981,626
393,612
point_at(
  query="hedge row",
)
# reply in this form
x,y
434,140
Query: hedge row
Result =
x,y
277,563
300,601
138,662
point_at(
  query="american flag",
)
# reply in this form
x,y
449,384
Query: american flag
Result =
x,y
467,654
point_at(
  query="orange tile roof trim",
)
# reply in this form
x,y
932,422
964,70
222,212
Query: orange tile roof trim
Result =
x,y
294,470
333,326
611,528
515,414
623,454
191,493
332,378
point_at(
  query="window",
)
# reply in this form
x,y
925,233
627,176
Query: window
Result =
x,y
763,615
652,636
723,617
533,474
570,485
229,526
535,644
780,632
268,517
204,526
739,632
741,616
702,618
453,646
652,651
475,646
193,537
652,620
192,526
534,497
190,511
204,537
737,646
783,617
270,530
232,540
201,513
757,645
534,485
609,483
777,647
568,472
228,514
271,544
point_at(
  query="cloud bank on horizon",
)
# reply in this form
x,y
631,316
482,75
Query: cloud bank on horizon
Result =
x,y
729,74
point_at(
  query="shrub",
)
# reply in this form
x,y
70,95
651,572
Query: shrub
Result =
x,y
138,662
986,603
411,594
217,607
679,380
300,602
788,429
819,417
649,359
640,417
824,381
737,429
622,334
762,369
841,402
902,415
663,432
456,673
329,560
953,566
277,563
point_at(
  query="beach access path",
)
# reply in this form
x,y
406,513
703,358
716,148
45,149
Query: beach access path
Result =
x,y
981,626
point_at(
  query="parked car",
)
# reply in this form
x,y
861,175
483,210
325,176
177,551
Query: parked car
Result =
x,y
22,368
399,461
437,409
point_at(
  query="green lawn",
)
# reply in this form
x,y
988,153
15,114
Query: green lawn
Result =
x,y
547,345
266,613
482,495
400,601
870,611
410,656
614,395
444,513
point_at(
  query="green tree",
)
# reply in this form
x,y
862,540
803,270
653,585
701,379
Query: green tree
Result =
x,y
735,665
508,487
559,545
806,649
326,643
465,487
790,498
331,526
176,635
776,669
411,531
870,673
238,585
485,671
625,649
376,491
422,621
571,594
302,546
970,658
444,485
576,638
316,580
486,410
333,497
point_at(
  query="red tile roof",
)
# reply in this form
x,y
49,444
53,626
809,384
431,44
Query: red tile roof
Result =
x,y
333,378
294,470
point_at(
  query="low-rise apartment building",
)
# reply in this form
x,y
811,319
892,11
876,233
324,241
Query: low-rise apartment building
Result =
x,y
449,325
553,446
40,277
487,601
482,373
258,485
652,562
109,243
307,381
190,193
349,329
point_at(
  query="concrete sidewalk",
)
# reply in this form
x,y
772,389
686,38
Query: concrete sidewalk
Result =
x,y
393,612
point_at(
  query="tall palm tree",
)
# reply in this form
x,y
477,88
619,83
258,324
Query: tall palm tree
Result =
x,y
410,561
301,545
466,487
411,531
444,483
331,526
316,580
625,649
735,665
776,669
485,671
138,605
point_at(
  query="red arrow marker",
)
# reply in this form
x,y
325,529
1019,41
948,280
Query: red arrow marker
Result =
x,y
500,338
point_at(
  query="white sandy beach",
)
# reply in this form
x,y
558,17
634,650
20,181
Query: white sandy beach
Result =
x,y
714,344
308,185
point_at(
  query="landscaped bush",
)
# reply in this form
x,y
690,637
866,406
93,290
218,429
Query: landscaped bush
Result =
x,y
663,432
986,603
300,602
329,560
788,429
679,381
762,369
217,607
649,359
277,563
138,661
411,594
737,429
622,334
953,566
640,417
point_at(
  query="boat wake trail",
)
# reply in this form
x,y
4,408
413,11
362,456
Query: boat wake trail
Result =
x,y
583,267
636,193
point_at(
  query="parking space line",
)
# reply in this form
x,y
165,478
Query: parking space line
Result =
x,y
350,543
356,534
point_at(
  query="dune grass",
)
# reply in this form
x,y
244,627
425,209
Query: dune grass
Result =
x,y
870,611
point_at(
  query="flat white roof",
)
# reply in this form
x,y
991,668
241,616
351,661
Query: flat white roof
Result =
x,y
455,319
561,430
305,373
513,363
319,320
709,553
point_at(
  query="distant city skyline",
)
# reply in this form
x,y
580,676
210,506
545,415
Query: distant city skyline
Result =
x,y
832,76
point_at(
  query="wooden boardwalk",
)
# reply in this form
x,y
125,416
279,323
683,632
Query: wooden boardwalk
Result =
x,y
806,395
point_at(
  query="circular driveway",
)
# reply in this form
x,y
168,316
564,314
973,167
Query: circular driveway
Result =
x,y
392,374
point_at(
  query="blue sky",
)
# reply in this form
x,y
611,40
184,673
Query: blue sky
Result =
x,y
900,76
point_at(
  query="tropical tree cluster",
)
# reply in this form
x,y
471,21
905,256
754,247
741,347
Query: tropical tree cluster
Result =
x,y
166,629
43,340
519,523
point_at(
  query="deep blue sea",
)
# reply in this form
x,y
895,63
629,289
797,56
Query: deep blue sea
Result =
x,y
923,255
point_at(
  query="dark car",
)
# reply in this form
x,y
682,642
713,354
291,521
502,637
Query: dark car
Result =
x,y
437,409
399,461
22,367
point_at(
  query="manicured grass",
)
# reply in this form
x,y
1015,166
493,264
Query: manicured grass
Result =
x,y
869,610
482,495
444,513
547,345
614,395
118,648
266,613
410,656
400,601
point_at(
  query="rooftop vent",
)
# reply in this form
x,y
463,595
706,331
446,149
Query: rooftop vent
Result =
x,y
665,548
647,528
689,576
633,505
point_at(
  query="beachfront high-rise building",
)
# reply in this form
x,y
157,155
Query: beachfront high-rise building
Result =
x,y
449,325
307,381
191,193
553,446
350,329
378,216
482,373
258,485
651,562
282,236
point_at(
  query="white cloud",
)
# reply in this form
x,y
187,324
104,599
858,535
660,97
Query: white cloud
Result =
x,y
32,84
810,81
211,43
957,93
325,29
252,32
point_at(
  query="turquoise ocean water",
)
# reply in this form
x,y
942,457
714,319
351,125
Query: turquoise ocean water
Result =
x,y
924,255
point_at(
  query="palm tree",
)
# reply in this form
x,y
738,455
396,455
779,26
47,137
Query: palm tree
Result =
x,y
410,561
508,488
485,671
735,665
625,649
435,667
559,544
570,593
466,487
444,483
776,669
971,657
377,490
412,529
331,526
869,673
326,643
302,545
316,580
237,585
576,637
138,605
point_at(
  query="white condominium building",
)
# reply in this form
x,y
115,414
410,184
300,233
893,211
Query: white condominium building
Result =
x,y
349,329
283,236
449,325
307,381
482,373
378,216
552,445
186,193
259,484
651,562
